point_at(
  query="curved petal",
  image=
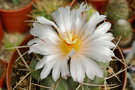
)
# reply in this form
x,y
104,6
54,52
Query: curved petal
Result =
x,y
92,23
45,21
44,32
101,29
41,63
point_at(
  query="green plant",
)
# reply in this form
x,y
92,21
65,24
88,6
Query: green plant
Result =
x,y
123,29
15,2
117,9
12,40
45,8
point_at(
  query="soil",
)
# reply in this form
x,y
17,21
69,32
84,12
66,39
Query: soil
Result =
x,y
5,4
19,72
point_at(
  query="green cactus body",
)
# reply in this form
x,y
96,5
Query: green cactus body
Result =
x,y
117,9
123,29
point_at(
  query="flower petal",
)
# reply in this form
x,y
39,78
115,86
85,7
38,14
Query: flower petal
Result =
x,y
56,70
101,54
45,21
91,68
41,63
102,29
49,64
93,21
44,32
64,68
76,69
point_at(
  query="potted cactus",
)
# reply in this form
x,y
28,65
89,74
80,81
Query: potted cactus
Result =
x,y
13,14
21,73
22,68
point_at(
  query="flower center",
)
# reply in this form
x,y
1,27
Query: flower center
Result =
x,y
68,37
70,42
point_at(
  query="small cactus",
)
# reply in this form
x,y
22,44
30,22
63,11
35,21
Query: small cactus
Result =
x,y
117,9
123,29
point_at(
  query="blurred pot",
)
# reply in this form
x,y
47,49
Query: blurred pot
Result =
x,y
13,20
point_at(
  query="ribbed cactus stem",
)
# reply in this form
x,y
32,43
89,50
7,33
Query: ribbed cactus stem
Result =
x,y
117,9
123,29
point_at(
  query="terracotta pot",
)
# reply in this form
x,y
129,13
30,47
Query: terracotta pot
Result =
x,y
132,19
2,77
1,31
13,59
13,20
100,5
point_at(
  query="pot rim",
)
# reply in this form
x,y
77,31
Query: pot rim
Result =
x,y
3,76
18,10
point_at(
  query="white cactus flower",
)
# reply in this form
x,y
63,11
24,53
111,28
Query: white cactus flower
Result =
x,y
72,45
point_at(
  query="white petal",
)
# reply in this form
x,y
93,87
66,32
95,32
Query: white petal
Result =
x,y
93,21
62,18
103,40
102,29
77,71
56,70
67,19
43,47
91,68
64,68
45,21
33,41
50,62
80,21
101,54
41,63
44,32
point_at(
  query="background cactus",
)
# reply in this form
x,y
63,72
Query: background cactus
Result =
x,y
15,2
45,8
123,28
117,9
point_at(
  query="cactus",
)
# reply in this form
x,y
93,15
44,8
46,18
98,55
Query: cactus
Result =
x,y
123,28
117,9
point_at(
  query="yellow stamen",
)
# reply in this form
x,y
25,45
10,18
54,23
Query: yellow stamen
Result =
x,y
70,41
